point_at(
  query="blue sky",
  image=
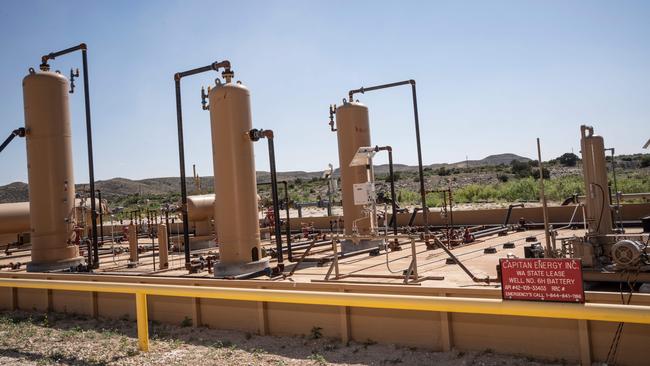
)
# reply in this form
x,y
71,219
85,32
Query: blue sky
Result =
x,y
492,76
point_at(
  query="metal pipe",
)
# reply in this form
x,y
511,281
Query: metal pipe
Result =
x,y
288,222
330,193
488,232
543,197
505,223
101,216
391,174
619,220
89,140
91,165
181,148
460,264
451,206
142,319
362,90
255,135
20,132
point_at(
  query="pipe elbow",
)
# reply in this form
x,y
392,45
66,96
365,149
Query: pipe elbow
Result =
x,y
177,76
20,132
83,46
411,81
256,134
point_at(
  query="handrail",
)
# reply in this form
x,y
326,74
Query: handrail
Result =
x,y
590,311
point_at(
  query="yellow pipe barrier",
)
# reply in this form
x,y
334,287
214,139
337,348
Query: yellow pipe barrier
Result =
x,y
143,321
600,312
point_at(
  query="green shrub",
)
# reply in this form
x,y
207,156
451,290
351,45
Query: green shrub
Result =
x,y
568,159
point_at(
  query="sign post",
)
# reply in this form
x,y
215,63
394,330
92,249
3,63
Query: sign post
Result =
x,y
542,279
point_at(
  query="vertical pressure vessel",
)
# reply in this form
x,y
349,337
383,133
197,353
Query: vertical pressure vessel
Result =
x,y
594,169
50,175
353,132
235,182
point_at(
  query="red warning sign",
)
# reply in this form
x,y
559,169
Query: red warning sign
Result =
x,y
542,279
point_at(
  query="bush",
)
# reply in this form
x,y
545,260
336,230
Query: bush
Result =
x,y
645,161
396,176
568,159
545,172
520,169
442,171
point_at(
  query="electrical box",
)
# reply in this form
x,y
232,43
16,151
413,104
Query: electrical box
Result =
x,y
364,193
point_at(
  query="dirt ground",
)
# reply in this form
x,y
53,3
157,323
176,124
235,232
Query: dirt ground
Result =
x,y
58,339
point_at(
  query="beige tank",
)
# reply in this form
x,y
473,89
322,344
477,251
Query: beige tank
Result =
x,y
14,218
353,132
49,167
594,168
235,182
200,207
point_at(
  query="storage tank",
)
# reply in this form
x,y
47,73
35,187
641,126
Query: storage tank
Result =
x,y
49,169
14,218
594,168
353,132
235,183
200,207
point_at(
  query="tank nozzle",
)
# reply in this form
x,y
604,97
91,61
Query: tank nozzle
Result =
x,y
228,74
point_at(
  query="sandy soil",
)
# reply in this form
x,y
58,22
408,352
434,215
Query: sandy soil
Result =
x,y
56,339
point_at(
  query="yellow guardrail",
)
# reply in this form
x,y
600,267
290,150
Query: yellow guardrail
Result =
x,y
590,311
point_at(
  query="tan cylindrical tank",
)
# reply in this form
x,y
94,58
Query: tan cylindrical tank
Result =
x,y
353,132
14,218
163,246
235,182
200,207
49,168
594,170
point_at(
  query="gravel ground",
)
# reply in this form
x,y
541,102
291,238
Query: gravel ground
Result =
x,y
57,339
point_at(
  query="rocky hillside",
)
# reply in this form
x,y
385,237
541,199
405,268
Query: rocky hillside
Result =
x,y
119,187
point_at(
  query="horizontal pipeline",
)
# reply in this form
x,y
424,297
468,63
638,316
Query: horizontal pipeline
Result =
x,y
591,311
